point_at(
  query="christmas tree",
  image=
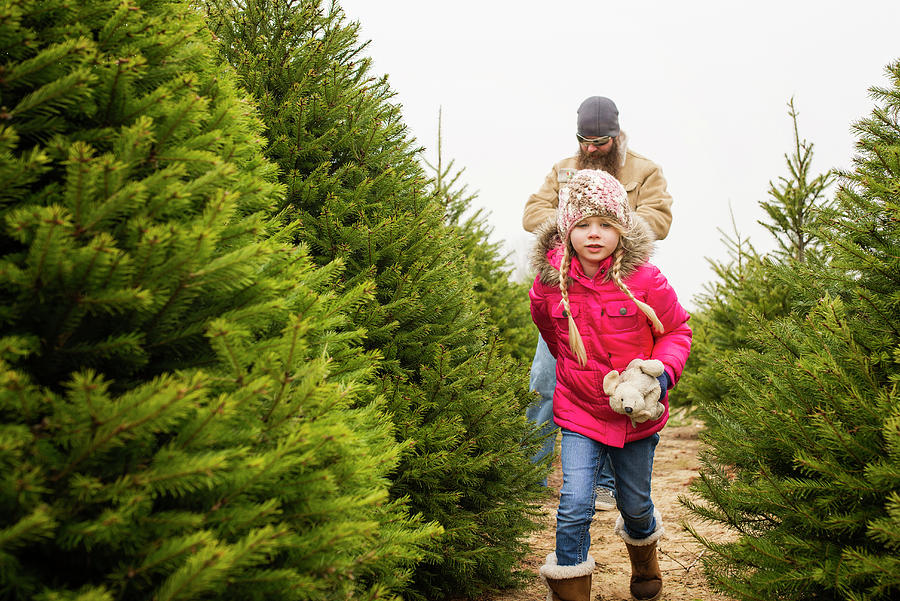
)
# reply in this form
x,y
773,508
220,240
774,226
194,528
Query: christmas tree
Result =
x,y
353,179
744,289
503,300
184,406
804,458
797,201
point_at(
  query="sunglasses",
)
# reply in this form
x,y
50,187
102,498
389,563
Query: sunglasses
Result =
x,y
594,141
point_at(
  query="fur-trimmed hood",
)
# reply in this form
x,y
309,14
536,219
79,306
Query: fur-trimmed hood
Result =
x,y
546,255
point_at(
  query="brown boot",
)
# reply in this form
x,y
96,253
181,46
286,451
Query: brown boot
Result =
x,y
646,577
567,583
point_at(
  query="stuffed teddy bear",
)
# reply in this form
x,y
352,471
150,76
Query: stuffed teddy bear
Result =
x,y
636,391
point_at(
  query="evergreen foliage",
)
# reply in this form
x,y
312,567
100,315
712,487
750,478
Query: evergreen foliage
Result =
x,y
804,457
183,406
502,300
797,201
353,179
744,289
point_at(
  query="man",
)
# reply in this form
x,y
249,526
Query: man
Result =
x,y
601,145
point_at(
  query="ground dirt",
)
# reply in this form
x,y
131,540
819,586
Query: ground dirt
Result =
x,y
674,467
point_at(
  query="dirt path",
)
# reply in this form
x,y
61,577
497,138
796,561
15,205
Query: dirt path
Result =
x,y
675,466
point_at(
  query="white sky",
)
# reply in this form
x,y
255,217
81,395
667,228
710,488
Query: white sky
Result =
x,y
702,88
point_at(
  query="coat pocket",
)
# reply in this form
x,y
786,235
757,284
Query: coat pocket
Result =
x,y
565,174
633,190
561,320
581,386
559,311
621,316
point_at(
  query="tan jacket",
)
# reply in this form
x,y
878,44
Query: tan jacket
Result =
x,y
642,178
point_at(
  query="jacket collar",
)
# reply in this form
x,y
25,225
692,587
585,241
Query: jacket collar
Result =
x,y
577,269
623,148
546,255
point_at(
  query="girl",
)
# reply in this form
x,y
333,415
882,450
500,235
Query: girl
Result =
x,y
599,304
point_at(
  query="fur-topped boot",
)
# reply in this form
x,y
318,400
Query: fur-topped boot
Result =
x,y
567,583
646,577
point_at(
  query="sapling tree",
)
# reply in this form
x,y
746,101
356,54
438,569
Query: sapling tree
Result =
x,y
803,460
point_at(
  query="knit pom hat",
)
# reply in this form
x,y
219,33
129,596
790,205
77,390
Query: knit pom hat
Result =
x,y
592,192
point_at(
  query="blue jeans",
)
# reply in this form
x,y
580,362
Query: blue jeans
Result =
x,y
582,459
543,380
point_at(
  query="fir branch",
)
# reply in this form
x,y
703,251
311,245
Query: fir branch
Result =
x,y
164,386
296,329
51,57
62,92
885,320
40,524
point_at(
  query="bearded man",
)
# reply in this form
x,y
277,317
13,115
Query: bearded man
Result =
x,y
601,145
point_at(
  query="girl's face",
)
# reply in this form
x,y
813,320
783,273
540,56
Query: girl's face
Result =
x,y
594,239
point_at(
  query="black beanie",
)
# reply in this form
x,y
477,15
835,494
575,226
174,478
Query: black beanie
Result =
x,y
598,116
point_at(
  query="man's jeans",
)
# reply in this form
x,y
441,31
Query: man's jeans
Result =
x,y
582,459
543,380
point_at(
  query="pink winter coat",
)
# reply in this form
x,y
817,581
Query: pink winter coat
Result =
x,y
614,331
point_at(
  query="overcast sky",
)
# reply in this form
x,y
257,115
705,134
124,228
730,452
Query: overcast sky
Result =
x,y
702,89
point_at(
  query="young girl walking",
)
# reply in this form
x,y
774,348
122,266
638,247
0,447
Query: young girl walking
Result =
x,y
599,304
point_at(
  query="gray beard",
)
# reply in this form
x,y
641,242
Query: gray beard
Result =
x,y
608,162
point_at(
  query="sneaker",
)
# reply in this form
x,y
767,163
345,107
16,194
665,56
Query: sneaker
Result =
x,y
606,500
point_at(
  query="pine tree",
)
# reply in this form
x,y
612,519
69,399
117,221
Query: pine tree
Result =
x,y
804,459
797,201
744,289
502,300
354,181
183,406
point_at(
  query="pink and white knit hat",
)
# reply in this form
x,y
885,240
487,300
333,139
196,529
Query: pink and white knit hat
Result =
x,y
591,192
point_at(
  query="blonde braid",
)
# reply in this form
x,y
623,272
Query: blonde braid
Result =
x,y
615,274
575,341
